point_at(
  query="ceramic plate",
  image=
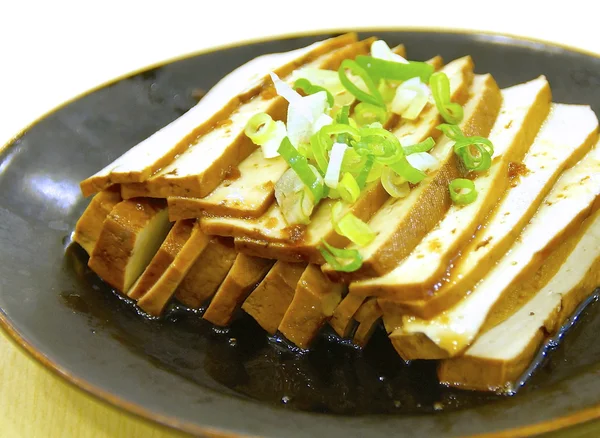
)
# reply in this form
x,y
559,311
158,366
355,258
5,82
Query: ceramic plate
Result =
x,y
181,372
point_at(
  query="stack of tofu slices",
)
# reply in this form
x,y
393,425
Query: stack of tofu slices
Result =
x,y
190,214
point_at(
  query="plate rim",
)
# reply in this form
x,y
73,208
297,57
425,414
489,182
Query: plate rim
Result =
x,y
132,409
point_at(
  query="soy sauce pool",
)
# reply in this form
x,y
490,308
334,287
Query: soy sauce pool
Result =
x,y
332,377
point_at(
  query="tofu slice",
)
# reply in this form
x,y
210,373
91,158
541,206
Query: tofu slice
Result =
x,y
252,190
501,355
566,206
523,110
314,301
131,234
342,321
269,235
199,169
400,224
184,253
158,150
89,225
244,275
270,300
367,317
177,237
206,274
567,134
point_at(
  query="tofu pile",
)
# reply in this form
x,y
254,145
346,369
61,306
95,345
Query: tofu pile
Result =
x,y
189,214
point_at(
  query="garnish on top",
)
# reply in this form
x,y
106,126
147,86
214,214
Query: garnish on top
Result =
x,y
335,142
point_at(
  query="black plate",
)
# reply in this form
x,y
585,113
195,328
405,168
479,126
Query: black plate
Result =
x,y
181,372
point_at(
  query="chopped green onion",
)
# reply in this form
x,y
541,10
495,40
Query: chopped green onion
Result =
x,y
382,144
354,229
386,90
380,50
475,152
334,256
259,128
424,146
308,88
294,198
375,172
440,88
343,115
321,142
353,162
300,165
394,71
404,169
396,186
453,132
365,113
348,188
361,179
332,176
410,99
462,191
374,97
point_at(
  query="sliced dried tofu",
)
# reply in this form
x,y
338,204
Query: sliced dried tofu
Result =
x,y
270,300
244,275
248,195
302,243
177,237
568,203
198,170
158,150
342,320
500,356
89,225
523,110
270,236
367,317
186,253
567,134
131,234
314,301
400,224
206,274
252,190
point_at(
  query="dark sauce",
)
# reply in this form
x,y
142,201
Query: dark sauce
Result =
x,y
333,377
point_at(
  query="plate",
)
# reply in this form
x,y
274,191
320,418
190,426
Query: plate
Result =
x,y
181,372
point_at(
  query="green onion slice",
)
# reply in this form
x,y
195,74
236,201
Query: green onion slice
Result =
x,y
374,97
336,256
348,188
440,89
308,88
395,71
361,179
321,142
475,152
396,186
382,144
462,191
424,146
366,113
356,230
300,165
353,162
260,128
404,169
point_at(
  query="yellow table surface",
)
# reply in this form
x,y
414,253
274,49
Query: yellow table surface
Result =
x,y
51,51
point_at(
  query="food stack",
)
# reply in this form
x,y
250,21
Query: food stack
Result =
x,y
341,184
